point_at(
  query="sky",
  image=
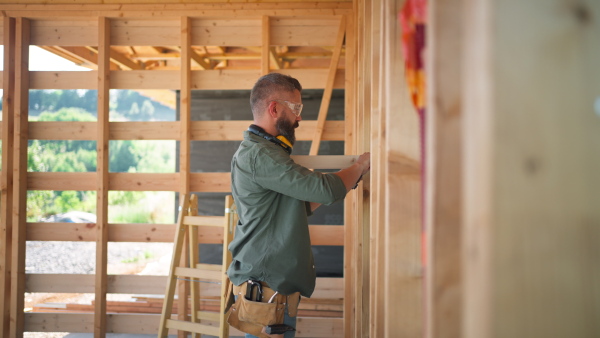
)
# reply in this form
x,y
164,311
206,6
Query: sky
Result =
x,y
40,59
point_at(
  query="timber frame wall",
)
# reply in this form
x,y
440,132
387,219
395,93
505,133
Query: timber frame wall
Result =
x,y
139,25
512,216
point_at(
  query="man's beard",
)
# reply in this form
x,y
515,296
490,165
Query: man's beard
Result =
x,y
287,129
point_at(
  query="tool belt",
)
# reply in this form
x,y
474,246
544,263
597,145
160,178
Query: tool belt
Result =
x,y
258,306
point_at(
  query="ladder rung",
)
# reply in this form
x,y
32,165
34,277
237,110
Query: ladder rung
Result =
x,y
197,273
193,327
209,267
213,221
214,316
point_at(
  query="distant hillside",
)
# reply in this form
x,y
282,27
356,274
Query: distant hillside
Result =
x,y
125,105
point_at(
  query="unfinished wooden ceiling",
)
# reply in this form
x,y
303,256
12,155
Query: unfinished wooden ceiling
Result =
x,y
293,46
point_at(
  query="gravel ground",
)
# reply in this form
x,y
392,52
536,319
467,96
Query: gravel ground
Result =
x,y
80,258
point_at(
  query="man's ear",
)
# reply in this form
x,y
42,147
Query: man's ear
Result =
x,y
272,109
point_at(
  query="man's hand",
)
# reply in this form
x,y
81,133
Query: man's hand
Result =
x,y
365,161
353,173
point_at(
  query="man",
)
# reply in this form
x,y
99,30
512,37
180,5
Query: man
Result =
x,y
274,197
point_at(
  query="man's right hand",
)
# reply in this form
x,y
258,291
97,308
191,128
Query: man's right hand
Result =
x,y
365,161
353,173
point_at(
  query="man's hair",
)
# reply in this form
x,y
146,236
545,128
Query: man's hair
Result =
x,y
266,86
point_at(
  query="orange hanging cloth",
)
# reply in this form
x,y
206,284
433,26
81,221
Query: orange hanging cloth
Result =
x,y
413,17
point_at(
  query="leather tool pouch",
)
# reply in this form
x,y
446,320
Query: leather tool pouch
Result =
x,y
250,316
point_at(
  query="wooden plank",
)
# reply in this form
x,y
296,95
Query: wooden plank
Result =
x,y
168,79
185,105
149,233
199,182
6,178
52,130
19,212
145,79
194,257
212,316
148,324
533,188
230,222
211,267
152,233
316,142
144,130
210,182
127,32
266,46
378,172
63,79
349,203
211,221
176,259
443,293
241,10
54,32
328,290
176,6
245,79
185,93
403,315
200,130
143,182
477,164
59,322
197,273
102,177
315,78
61,181
233,130
363,130
304,32
226,32
82,56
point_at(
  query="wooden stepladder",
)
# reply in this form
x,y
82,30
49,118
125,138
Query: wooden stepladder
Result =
x,y
189,224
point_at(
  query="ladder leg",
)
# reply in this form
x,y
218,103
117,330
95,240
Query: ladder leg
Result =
x,y
194,284
172,280
229,228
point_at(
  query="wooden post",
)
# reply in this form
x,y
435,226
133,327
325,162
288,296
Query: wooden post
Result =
x,y
6,204
363,135
350,220
402,284
102,176
531,169
184,151
266,45
443,297
19,212
335,58
378,134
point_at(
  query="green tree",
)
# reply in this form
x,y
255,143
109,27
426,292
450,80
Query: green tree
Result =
x,y
147,110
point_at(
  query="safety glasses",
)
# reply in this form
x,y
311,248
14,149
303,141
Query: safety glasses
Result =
x,y
295,107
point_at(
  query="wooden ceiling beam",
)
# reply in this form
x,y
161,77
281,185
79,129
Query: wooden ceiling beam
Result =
x,y
197,59
275,60
121,60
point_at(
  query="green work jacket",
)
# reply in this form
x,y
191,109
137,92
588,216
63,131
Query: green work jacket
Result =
x,y
272,195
